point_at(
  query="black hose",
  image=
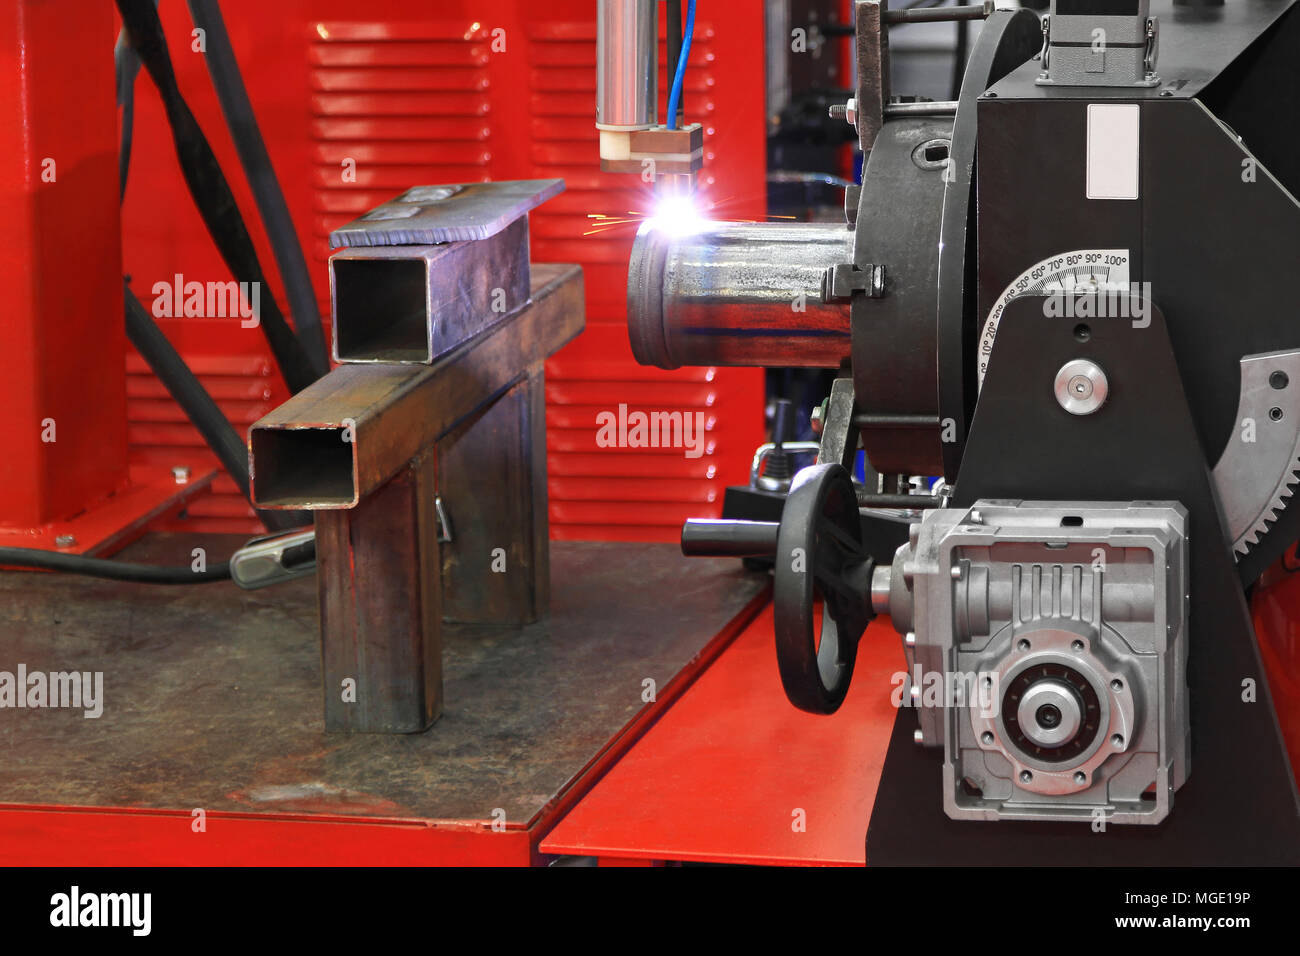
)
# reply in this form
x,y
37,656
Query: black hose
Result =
x,y
189,393
210,190
674,44
127,66
112,569
242,123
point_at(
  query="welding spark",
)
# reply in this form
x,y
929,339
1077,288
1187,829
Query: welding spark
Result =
x,y
677,216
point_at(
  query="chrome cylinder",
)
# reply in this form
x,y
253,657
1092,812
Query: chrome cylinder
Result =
x,y
627,47
745,294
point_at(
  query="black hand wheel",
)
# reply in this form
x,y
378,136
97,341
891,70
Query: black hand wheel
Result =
x,y
819,552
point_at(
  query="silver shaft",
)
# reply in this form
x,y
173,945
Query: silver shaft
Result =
x,y
626,62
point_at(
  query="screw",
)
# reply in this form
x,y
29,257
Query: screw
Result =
x,y
65,540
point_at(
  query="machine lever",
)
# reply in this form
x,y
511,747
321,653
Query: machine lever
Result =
x,y
721,538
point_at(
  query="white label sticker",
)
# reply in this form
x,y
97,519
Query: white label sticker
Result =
x,y
1114,133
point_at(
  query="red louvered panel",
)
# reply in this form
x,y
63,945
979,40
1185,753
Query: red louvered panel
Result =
x,y
412,100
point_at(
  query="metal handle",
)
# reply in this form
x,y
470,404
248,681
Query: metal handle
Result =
x,y
720,538
274,558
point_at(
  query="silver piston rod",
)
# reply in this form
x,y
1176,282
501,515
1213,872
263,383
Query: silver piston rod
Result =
x,y
746,294
627,47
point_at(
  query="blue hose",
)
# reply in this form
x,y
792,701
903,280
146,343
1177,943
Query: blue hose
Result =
x,y
675,96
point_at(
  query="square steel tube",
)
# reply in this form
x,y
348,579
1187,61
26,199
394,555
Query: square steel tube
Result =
x,y
414,304
381,607
343,437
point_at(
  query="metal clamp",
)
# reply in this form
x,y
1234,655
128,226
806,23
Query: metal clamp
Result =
x,y
1153,47
1046,54
842,280
757,480
271,559
444,523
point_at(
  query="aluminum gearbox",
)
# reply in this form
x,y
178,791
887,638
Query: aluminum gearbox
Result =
x,y
1047,655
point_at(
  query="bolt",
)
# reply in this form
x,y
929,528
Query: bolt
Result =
x,y
956,572
181,473
845,111
65,540
976,518
817,421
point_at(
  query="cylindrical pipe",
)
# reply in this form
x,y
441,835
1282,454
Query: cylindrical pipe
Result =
x,y
881,582
722,538
923,108
627,48
980,11
747,294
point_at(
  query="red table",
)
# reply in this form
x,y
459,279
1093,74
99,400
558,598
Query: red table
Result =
x,y
733,773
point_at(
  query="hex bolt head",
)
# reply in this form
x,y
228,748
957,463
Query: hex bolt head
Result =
x,y
181,473
65,540
845,111
818,418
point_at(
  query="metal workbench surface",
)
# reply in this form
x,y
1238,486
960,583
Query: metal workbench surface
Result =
x,y
212,698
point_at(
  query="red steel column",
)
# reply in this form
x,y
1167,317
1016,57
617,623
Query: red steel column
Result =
x,y
62,339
